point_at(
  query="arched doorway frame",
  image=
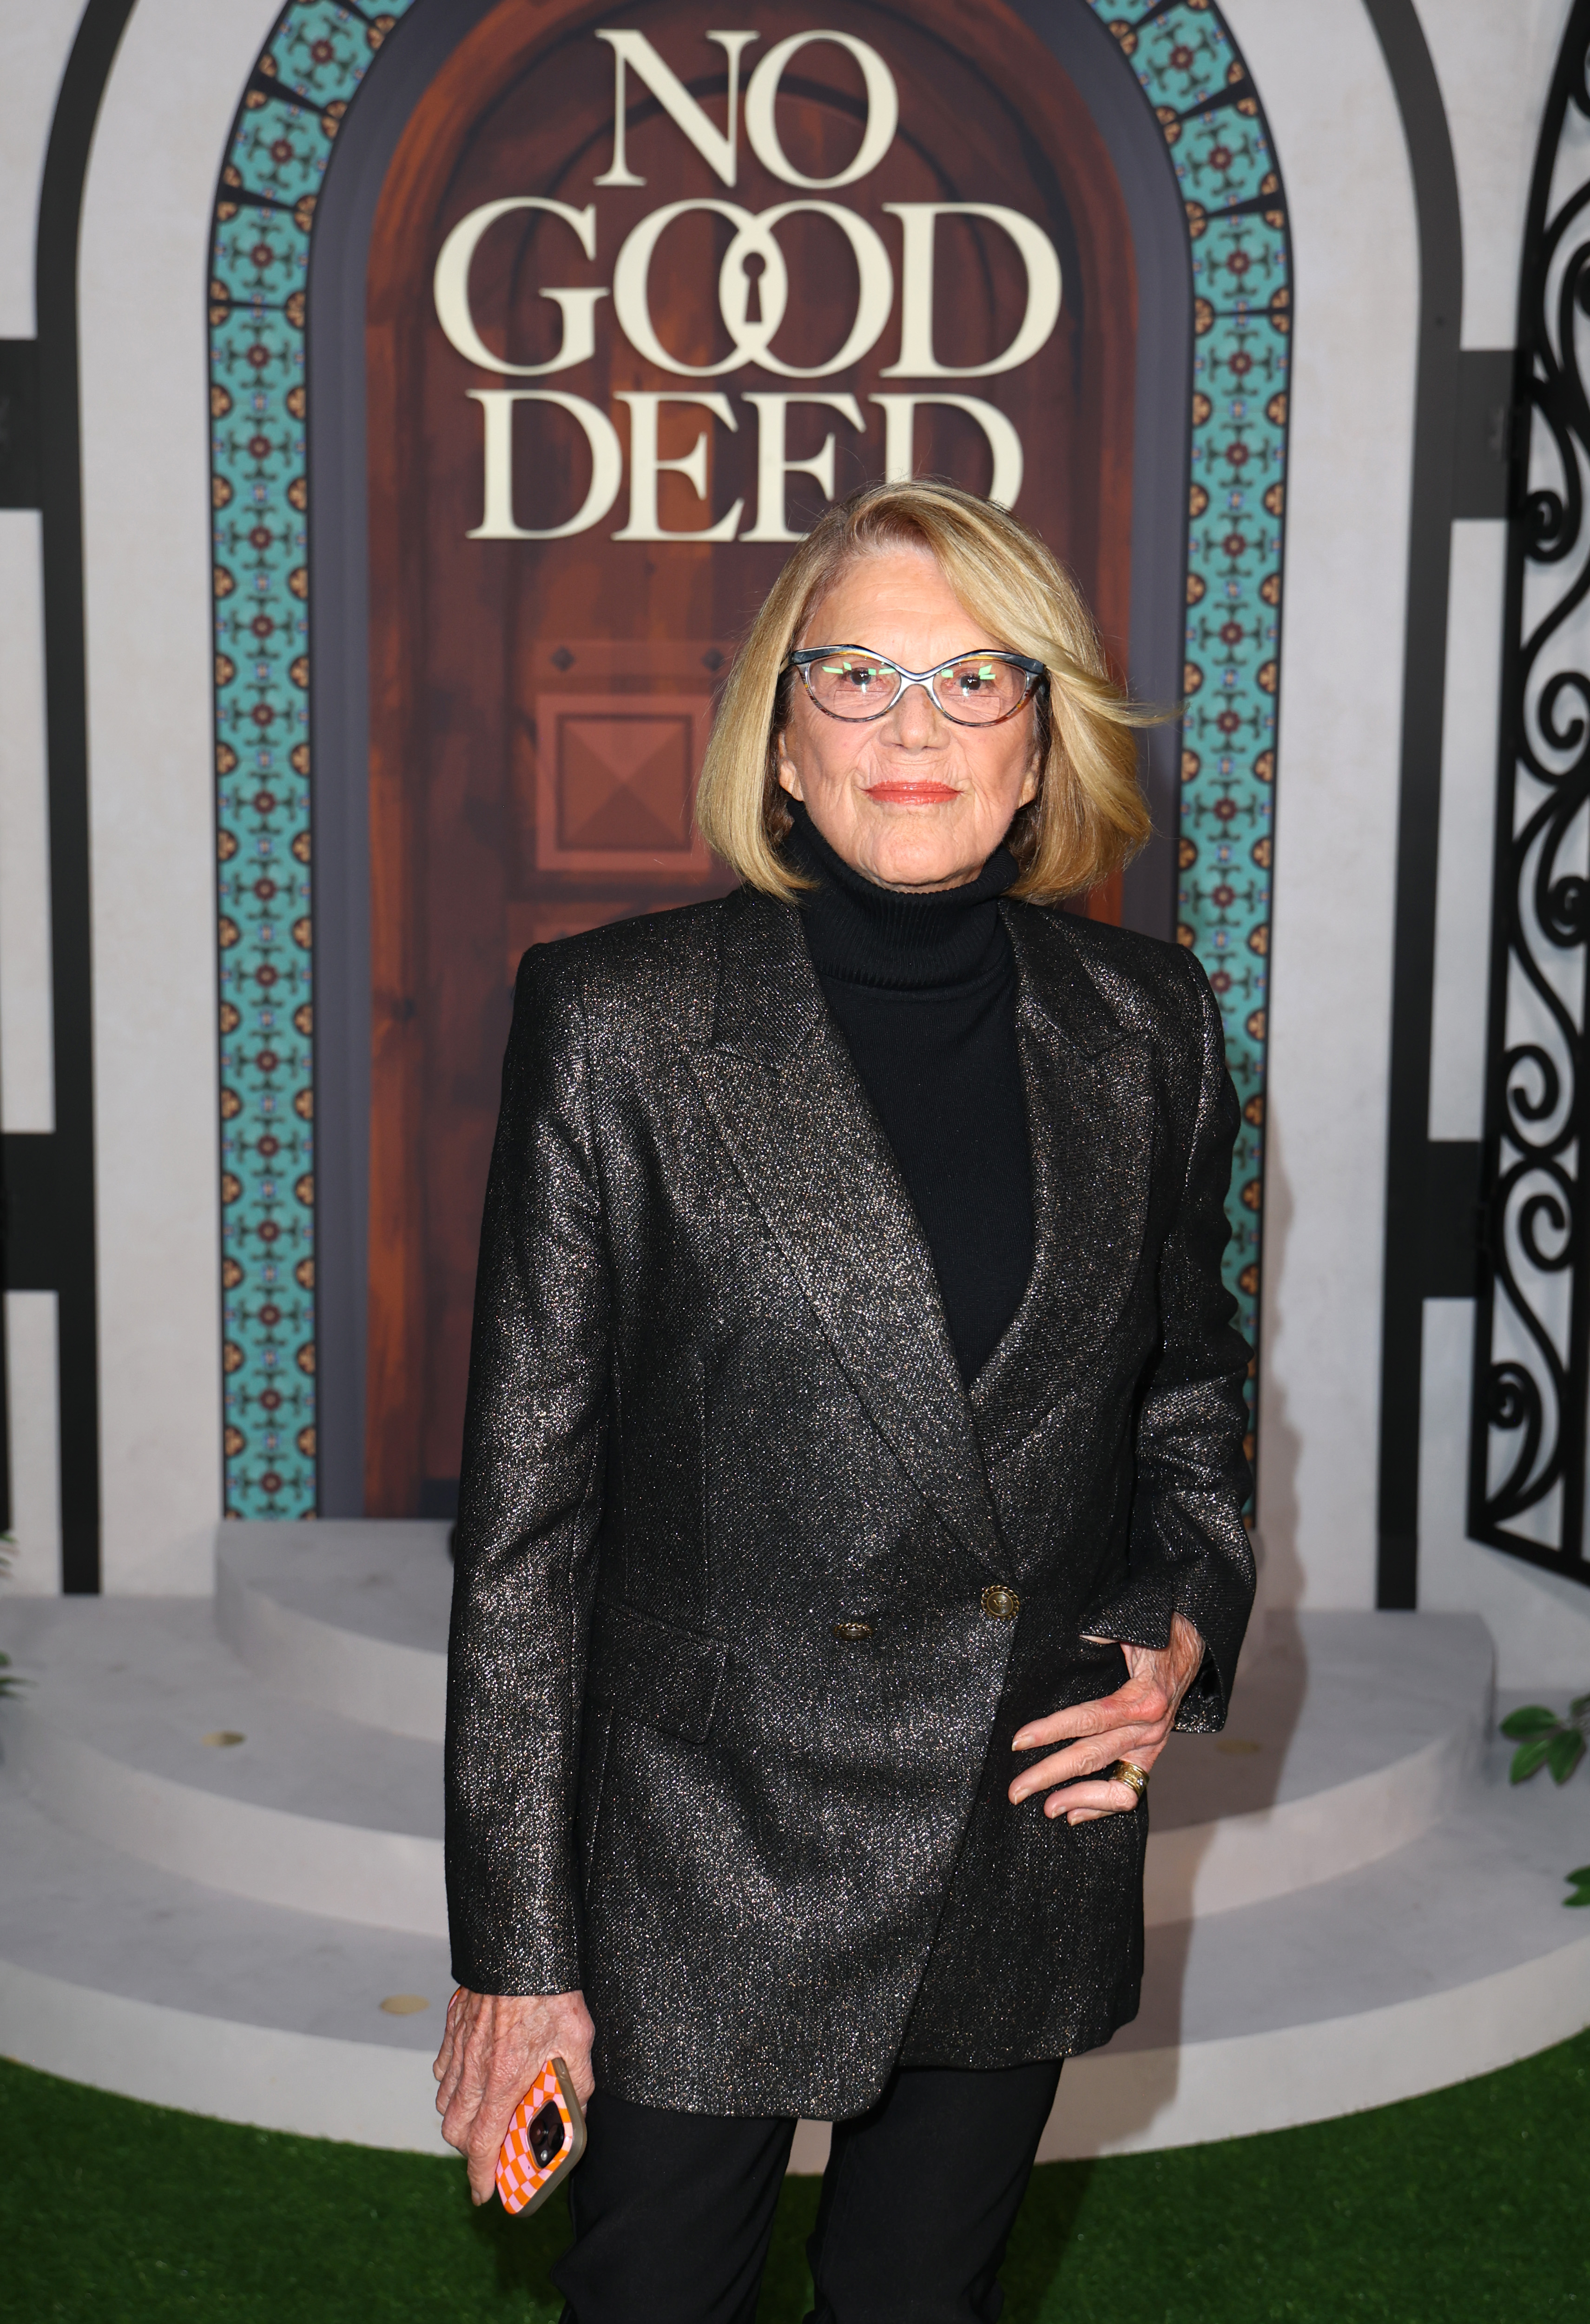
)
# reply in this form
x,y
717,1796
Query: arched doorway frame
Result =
x,y
309,71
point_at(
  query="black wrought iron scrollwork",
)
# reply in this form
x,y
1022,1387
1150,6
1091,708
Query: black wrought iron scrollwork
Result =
x,y
1532,1338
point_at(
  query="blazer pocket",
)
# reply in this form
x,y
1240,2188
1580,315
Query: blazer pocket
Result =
x,y
656,1672
593,1769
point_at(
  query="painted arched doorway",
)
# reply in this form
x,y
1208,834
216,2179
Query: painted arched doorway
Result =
x,y
480,782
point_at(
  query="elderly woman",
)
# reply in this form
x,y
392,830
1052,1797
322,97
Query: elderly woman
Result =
x,y
853,1478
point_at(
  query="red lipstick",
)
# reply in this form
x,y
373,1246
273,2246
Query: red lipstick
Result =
x,y
901,791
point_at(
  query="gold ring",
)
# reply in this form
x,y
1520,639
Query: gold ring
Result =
x,y
1128,1772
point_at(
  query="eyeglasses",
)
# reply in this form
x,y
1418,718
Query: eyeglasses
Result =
x,y
975,690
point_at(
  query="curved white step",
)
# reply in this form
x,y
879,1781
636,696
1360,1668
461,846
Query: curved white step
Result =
x,y
1448,1960
1341,1910
349,1615
119,1975
1346,1741
308,1811
1348,1737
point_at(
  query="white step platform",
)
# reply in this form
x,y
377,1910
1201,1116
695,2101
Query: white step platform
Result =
x,y
220,1825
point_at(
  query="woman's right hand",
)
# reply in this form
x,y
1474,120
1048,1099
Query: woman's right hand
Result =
x,y
494,2046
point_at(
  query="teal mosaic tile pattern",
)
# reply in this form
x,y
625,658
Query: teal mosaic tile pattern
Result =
x,y
1192,75
281,142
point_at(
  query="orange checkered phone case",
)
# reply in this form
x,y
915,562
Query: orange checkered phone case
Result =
x,y
546,2139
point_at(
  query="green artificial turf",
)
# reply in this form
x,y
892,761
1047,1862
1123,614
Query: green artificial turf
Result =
x,y
1469,2205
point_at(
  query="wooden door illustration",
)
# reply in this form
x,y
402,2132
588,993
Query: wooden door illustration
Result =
x,y
691,286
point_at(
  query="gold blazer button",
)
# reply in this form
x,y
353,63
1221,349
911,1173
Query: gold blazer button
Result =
x,y
851,1634
1000,1603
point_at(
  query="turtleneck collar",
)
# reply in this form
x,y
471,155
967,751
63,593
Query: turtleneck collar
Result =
x,y
864,933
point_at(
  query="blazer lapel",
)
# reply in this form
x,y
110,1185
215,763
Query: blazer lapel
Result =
x,y
1091,1117
784,1093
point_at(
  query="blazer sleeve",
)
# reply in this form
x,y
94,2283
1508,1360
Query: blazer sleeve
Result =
x,y
1189,1548
530,1510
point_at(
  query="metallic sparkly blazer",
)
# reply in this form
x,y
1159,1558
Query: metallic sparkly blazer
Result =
x,y
751,1595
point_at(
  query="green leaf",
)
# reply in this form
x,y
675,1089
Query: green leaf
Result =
x,y
1528,1758
1579,1705
1563,1753
1581,1897
1533,1718
1582,1873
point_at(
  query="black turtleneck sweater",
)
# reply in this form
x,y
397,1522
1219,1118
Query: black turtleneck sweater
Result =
x,y
924,990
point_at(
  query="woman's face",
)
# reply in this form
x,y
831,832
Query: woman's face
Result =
x,y
910,800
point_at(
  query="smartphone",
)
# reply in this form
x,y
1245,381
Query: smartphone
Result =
x,y
546,2139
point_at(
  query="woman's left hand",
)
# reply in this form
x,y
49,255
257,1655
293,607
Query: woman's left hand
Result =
x,y
1132,1723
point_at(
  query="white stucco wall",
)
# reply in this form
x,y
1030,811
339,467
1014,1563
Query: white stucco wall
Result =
x,y
1541,1623
36,50
1333,113
37,42
156,157
1495,65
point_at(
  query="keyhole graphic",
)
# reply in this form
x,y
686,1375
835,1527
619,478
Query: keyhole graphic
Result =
x,y
755,267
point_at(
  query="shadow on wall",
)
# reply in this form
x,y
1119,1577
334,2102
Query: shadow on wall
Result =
x,y
1211,1849
1275,1540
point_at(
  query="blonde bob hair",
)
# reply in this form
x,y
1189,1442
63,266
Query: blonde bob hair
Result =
x,y
1089,814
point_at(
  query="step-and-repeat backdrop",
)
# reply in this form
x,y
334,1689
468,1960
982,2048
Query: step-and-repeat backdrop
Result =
x,y
640,296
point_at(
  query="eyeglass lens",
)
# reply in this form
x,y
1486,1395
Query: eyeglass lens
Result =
x,y
978,691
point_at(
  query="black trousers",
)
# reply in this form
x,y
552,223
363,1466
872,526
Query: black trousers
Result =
x,y
673,2212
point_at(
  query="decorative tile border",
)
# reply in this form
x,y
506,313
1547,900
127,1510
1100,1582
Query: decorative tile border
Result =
x,y
304,81
307,75
1192,73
